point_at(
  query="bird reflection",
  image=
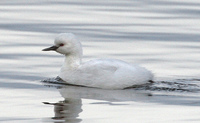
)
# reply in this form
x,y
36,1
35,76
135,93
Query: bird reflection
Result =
x,y
67,111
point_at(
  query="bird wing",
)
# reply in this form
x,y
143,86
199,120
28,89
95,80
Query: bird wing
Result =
x,y
99,66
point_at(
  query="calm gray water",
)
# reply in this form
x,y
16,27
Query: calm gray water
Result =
x,y
161,35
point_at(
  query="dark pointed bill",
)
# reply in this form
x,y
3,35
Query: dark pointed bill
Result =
x,y
50,48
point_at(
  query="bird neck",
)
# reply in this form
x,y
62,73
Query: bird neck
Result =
x,y
72,61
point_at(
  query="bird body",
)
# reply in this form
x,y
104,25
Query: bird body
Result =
x,y
99,73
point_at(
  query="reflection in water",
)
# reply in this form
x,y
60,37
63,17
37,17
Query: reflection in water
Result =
x,y
122,96
67,110
101,94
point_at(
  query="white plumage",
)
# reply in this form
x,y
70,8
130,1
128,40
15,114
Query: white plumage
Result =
x,y
100,73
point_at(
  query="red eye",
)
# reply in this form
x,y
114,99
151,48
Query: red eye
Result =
x,y
61,44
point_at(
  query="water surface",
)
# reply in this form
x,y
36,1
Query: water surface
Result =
x,y
162,36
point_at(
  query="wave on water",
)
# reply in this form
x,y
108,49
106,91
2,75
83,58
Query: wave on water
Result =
x,y
178,85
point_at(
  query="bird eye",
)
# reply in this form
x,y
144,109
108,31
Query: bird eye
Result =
x,y
61,44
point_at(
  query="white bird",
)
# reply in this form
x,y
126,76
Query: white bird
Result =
x,y
99,73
